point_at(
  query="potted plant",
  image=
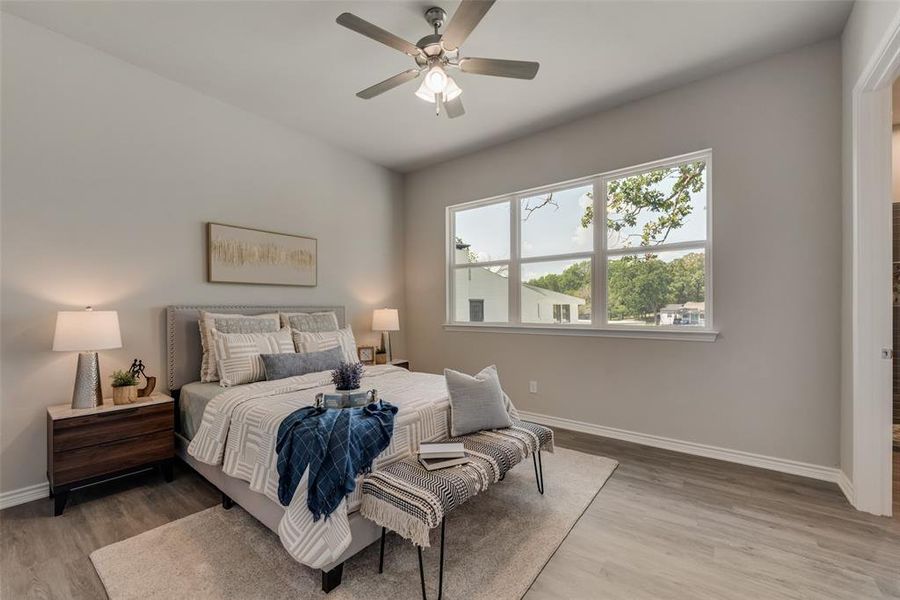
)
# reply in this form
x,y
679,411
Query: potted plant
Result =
x,y
346,379
124,385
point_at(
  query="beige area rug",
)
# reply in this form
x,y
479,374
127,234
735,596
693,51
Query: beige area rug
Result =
x,y
497,544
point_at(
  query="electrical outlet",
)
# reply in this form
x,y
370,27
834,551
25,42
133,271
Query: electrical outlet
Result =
x,y
532,387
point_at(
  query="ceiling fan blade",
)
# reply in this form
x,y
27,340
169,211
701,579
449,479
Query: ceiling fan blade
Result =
x,y
351,21
455,108
388,84
517,69
464,20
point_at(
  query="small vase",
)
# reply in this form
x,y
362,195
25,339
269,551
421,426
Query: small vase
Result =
x,y
125,394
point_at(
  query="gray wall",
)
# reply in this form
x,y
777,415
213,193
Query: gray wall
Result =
x,y
770,384
109,174
864,31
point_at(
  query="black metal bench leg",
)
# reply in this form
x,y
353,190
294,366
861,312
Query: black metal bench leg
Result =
x,y
331,579
440,571
381,556
227,502
538,470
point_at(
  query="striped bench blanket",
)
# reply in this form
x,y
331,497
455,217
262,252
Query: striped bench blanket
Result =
x,y
410,500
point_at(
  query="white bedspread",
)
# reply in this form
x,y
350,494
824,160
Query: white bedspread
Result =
x,y
240,430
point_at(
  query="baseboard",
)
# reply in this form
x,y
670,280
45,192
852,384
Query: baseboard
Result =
x,y
23,495
771,463
847,487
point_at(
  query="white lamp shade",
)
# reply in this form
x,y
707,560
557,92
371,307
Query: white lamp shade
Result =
x,y
385,319
85,330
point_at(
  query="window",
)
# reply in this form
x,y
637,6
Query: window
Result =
x,y
476,311
622,251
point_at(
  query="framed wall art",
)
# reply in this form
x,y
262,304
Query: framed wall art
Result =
x,y
245,255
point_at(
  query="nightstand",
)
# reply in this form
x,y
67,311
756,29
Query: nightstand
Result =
x,y
401,362
89,445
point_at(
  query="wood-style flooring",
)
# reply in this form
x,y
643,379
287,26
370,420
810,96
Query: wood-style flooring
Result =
x,y
666,525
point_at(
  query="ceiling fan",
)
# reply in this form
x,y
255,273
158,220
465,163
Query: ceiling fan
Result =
x,y
436,53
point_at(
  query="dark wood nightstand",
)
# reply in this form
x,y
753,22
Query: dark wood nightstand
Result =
x,y
401,362
89,445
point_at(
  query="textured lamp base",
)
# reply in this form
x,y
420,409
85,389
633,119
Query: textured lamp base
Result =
x,y
87,392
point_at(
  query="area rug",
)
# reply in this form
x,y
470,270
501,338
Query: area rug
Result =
x,y
496,545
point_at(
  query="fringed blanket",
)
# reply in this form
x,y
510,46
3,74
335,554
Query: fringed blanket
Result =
x,y
411,501
336,445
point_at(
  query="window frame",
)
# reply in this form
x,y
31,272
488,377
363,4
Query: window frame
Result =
x,y
599,255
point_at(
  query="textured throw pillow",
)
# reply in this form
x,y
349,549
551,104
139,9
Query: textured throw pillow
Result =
x,y
238,354
280,366
306,342
476,403
312,322
228,323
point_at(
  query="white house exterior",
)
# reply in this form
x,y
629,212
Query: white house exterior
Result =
x,y
483,295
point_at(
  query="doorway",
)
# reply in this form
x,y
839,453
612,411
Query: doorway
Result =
x,y
895,234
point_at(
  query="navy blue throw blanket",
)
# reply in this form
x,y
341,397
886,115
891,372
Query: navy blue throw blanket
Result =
x,y
336,445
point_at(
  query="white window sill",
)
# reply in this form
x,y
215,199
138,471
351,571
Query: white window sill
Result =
x,y
649,333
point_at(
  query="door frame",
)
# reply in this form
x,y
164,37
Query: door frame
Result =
x,y
871,285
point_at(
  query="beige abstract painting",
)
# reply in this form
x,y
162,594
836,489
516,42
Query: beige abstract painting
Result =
x,y
243,255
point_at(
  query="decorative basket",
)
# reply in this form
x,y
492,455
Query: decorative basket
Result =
x,y
125,394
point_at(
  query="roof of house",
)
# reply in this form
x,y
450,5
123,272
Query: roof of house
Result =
x,y
551,295
695,305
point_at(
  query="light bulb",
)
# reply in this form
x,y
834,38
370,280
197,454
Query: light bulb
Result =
x,y
436,80
451,91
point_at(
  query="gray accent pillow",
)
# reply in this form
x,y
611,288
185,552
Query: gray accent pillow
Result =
x,y
476,403
311,322
281,366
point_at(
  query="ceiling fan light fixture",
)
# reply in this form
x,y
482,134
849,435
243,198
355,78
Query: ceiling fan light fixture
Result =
x,y
436,80
451,91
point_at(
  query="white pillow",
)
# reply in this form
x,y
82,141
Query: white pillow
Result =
x,y
308,341
238,354
228,323
476,402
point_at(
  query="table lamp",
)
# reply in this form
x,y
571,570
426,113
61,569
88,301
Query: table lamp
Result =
x,y
386,320
85,332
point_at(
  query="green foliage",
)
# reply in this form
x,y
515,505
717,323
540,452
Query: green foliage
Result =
x,y
688,279
471,256
123,378
575,280
638,285
629,197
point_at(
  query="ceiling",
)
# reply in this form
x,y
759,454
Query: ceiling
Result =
x,y
290,62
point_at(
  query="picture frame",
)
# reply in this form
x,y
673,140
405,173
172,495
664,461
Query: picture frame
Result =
x,y
236,254
366,354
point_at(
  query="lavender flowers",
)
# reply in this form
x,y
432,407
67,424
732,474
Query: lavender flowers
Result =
x,y
347,376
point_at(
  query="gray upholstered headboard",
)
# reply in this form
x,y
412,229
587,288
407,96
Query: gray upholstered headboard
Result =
x,y
183,350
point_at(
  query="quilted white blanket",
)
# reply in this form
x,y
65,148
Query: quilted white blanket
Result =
x,y
240,429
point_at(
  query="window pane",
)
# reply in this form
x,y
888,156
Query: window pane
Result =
x,y
482,234
665,288
557,292
481,294
558,222
660,206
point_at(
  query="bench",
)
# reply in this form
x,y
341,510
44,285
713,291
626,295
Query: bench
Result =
x,y
409,500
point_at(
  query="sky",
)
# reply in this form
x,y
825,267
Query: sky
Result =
x,y
557,229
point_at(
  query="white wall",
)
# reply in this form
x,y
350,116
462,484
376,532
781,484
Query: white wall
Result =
x,y
865,30
770,384
109,174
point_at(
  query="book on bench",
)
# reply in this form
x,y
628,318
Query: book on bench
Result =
x,y
442,450
433,464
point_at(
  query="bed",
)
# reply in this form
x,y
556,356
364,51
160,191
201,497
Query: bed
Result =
x,y
228,436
